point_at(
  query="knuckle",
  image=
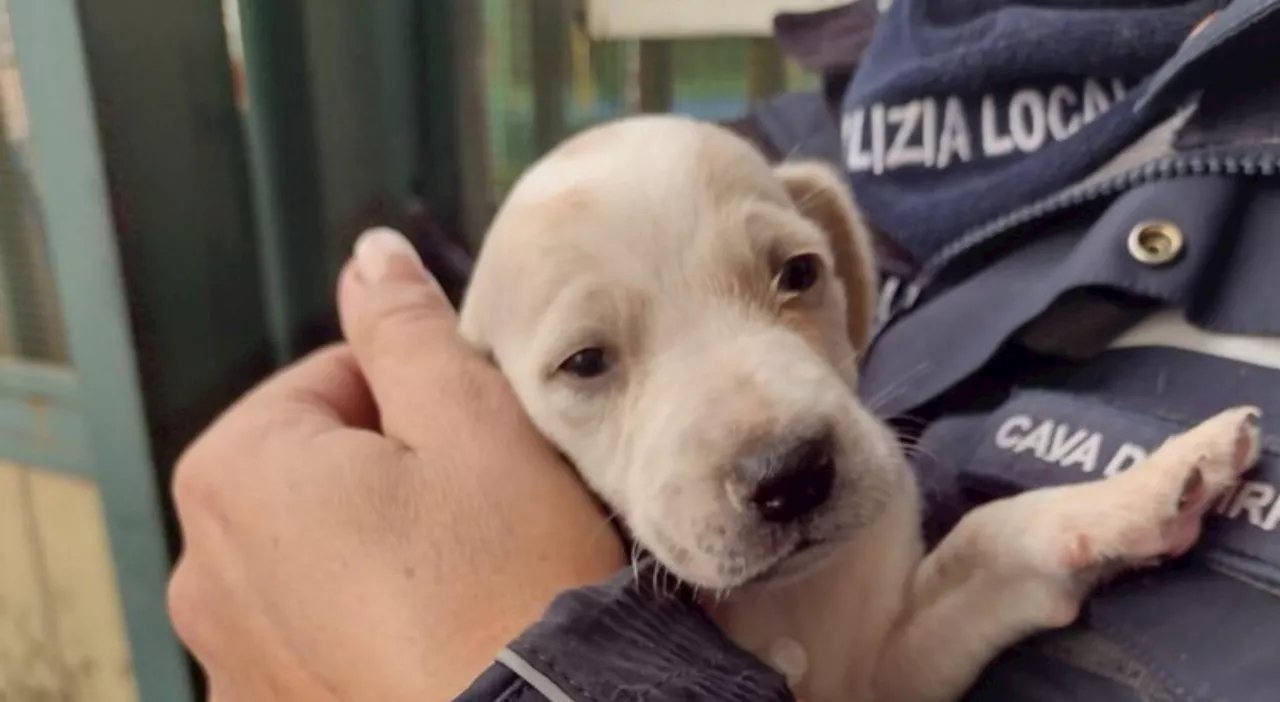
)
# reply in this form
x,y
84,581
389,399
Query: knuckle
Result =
x,y
194,483
188,481
184,603
207,471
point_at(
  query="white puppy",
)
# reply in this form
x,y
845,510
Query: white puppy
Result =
x,y
683,321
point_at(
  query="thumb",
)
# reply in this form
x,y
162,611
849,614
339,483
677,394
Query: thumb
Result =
x,y
398,321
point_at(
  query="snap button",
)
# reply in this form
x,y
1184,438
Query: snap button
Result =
x,y
1155,242
788,657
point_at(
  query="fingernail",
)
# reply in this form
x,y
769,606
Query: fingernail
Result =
x,y
383,254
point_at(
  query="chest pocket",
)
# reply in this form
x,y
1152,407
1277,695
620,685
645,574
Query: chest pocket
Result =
x,y
952,336
1205,629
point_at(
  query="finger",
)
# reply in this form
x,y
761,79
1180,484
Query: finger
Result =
x,y
387,299
400,325
322,392
318,395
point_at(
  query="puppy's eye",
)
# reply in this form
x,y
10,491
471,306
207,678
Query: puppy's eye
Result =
x,y
587,363
799,273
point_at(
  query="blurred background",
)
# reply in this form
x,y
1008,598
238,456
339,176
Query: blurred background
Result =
x,y
180,183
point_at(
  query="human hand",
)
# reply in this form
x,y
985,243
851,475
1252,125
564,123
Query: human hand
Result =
x,y
378,520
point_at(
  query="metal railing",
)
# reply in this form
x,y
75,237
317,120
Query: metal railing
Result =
x,y
549,74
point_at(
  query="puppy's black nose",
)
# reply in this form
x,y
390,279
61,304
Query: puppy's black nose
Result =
x,y
795,481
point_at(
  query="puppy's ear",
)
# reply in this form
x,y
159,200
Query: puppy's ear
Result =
x,y
821,195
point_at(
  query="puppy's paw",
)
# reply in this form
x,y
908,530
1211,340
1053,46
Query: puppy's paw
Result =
x,y
1168,494
1060,542
1224,447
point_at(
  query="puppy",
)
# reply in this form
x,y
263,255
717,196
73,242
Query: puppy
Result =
x,y
683,321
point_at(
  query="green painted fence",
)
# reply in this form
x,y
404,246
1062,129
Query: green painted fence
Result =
x,y
590,81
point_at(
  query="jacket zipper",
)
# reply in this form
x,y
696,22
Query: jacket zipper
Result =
x,y
902,298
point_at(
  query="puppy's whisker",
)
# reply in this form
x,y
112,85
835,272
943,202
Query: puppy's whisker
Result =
x,y
908,436
635,561
895,388
910,421
605,527
915,450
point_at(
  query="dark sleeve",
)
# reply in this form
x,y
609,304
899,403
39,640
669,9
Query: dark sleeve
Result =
x,y
618,641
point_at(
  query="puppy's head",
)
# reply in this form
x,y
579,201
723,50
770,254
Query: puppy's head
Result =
x,y
683,321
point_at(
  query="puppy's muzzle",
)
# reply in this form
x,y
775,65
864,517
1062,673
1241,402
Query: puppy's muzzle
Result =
x,y
789,481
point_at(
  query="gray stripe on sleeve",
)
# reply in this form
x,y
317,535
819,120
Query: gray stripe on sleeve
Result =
x,y
544,685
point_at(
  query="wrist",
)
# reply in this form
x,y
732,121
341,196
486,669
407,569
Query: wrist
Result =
x,y
604,640
500,615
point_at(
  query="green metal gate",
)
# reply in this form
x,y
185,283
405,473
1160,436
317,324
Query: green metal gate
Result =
x,y
70,396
